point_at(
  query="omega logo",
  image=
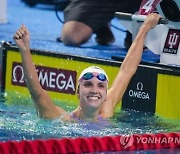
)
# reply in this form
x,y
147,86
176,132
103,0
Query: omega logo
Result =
x,y
52,79
139,86
16,73
139,92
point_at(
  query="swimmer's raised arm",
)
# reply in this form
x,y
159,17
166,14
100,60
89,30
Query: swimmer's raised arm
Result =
x,y
45,106
129,66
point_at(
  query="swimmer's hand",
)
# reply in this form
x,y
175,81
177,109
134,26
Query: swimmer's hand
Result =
x,y
152,20
22,38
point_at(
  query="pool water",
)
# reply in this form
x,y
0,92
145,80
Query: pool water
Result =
x,y
19,121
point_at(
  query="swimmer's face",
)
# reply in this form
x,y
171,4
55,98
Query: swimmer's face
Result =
x,y
92,92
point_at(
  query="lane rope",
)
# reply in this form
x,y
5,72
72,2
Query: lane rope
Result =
x,y
93,144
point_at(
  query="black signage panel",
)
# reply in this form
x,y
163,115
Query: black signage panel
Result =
x,y
141,92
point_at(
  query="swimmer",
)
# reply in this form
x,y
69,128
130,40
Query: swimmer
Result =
x,y
96,101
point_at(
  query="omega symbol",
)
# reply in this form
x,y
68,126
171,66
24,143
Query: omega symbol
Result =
x,y
139,86
14,74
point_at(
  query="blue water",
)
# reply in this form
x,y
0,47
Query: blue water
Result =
x,y
18,121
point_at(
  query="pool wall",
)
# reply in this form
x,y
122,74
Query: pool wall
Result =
x,y
154,88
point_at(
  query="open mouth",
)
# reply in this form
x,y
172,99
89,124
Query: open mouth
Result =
x,y
95,98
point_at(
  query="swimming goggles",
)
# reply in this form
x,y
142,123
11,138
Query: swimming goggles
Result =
x,y
100,76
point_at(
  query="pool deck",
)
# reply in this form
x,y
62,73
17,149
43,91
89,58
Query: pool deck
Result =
x,y
44,27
